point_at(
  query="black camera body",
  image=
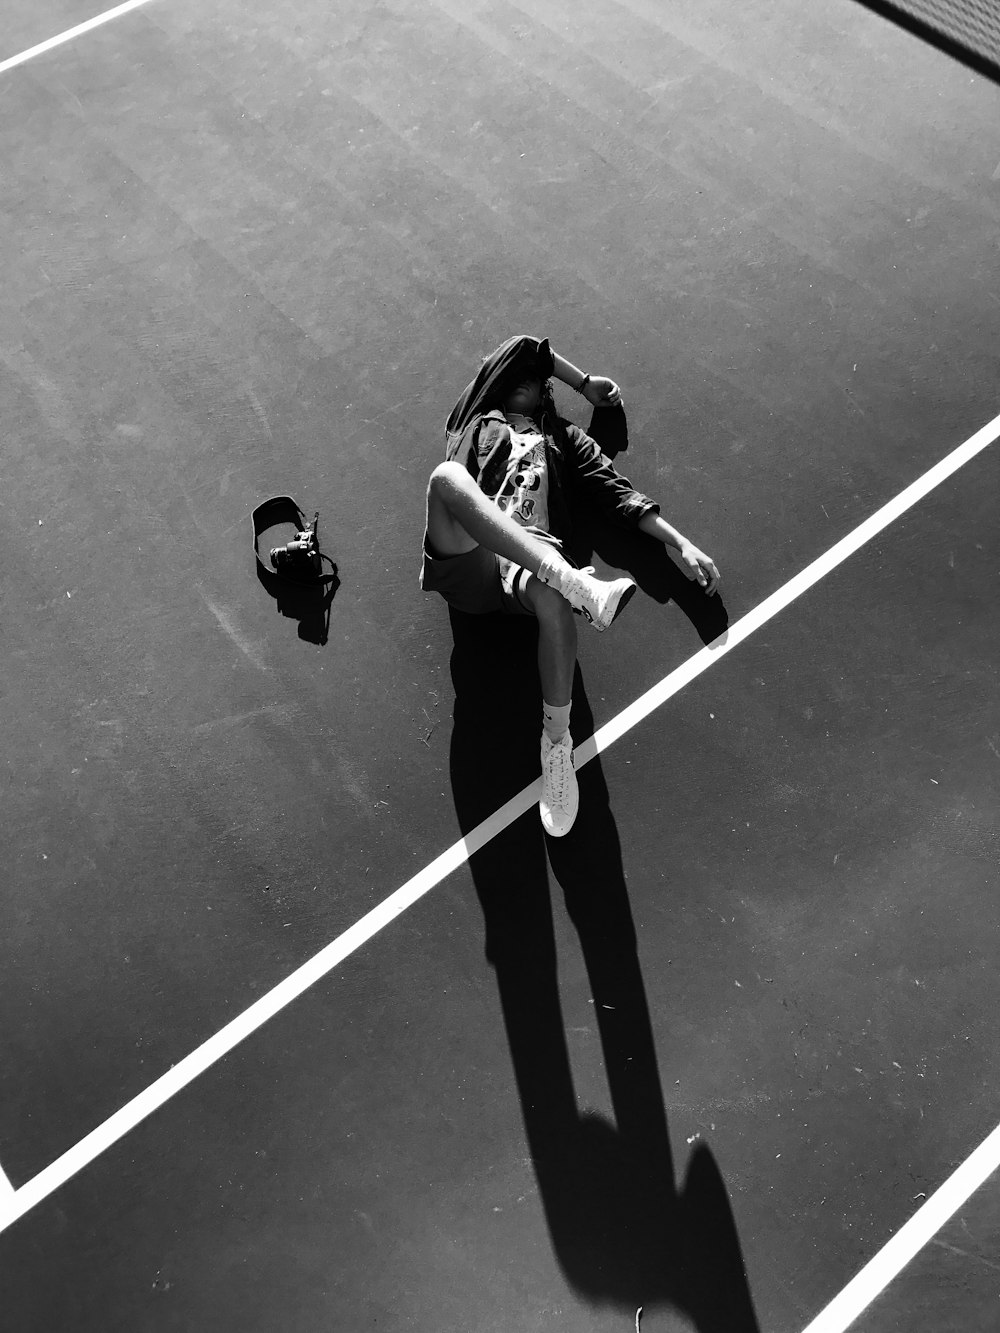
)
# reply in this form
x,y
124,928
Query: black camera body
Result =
x,y
300,559
295,577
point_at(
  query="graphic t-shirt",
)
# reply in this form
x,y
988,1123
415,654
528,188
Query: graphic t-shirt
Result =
x,y
524,493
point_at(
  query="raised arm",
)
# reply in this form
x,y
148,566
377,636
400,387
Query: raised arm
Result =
x,y
597,389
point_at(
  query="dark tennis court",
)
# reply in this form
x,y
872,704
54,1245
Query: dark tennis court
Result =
x,y
710,1052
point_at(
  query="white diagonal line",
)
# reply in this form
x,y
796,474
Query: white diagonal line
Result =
x,y
910,1239
218,1045
69,34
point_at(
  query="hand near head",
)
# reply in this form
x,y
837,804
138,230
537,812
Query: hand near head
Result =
x,y
602,392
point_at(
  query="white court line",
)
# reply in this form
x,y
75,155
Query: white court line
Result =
x,y
844,1309
910,1239
70,33
176,1078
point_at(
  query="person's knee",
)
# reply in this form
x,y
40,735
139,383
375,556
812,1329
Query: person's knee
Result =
x,y
446,479
445,532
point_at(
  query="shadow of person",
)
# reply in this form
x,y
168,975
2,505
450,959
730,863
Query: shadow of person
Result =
x,y
650,564
623,1231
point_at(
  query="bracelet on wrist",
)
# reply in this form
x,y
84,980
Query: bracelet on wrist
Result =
x,y
583,384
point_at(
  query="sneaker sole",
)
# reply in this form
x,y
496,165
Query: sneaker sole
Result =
x,y
625,597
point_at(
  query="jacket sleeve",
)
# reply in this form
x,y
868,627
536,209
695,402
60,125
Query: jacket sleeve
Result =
x,y
483,449
596,481
463,447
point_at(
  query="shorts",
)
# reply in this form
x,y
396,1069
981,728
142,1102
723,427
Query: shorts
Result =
x,y
477,581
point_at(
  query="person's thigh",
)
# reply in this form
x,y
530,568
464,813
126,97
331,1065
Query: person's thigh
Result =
x,y
444,532
476,582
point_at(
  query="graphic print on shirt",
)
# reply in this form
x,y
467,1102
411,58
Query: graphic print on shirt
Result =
x,y
524,492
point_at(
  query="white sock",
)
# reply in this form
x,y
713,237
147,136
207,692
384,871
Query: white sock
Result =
x,y
552,570
555,721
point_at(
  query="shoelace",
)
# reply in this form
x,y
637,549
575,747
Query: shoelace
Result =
x,y
559,766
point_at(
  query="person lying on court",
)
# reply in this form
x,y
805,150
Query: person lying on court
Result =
x,y
500,511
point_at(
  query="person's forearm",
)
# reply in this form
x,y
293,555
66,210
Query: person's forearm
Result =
x,y
700,566
565,370
659,528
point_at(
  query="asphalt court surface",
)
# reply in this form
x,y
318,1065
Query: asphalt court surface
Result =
x,y
951,1277
257,255
26,27
847,1058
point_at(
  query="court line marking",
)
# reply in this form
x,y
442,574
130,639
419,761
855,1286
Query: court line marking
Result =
x,y
70,33
910,1239
222,1042
876,1275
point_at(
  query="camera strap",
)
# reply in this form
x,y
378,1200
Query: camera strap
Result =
x,y
283,509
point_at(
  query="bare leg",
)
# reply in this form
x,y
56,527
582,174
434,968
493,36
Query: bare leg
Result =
x,y
460,518
556,642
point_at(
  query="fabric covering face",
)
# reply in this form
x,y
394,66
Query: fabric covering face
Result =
x,y
515,357
574,469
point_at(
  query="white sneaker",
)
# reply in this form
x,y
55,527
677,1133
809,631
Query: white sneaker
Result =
x,y
600,601
560,794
